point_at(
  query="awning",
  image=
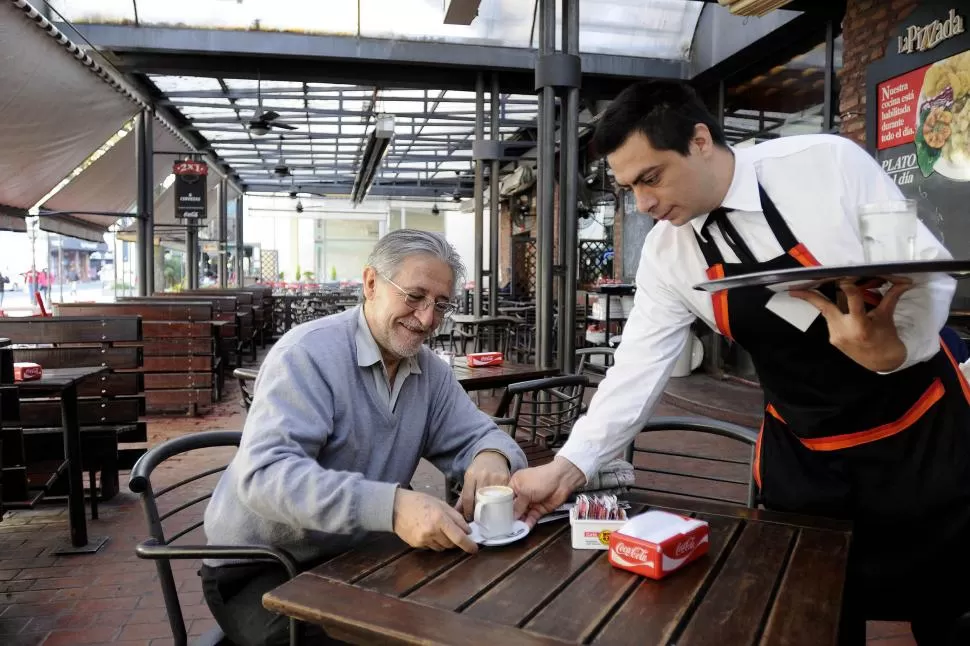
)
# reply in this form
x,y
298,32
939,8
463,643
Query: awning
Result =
x,y
110,184
55,109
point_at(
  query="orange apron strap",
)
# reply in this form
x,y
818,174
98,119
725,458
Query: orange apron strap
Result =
x,y
804,257
756,465
963,380
720,302
932,395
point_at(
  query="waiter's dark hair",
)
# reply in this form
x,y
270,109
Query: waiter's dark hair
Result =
x,y
663,111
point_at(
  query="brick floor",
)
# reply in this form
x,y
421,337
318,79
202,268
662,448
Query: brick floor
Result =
x,y
113,597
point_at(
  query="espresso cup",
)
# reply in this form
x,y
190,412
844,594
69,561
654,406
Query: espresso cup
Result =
x,y
494,514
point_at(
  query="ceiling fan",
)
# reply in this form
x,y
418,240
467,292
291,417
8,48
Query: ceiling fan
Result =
x,y
263,122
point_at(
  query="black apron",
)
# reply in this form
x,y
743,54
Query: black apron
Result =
x,y
890,452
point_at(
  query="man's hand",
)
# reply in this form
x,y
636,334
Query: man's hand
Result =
x,y
868,338
425,521
539,490
488,468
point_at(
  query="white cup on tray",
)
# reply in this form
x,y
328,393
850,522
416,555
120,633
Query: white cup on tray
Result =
x,y
888,231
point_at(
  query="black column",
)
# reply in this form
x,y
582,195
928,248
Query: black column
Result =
x,y
223,245
144,164
493,206
478,270
545,189
240,250
569,192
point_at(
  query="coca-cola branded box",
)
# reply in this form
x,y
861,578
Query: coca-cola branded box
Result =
x,y
26,371
656,543
478,359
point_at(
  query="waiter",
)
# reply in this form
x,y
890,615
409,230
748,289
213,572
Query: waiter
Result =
x,y
867,417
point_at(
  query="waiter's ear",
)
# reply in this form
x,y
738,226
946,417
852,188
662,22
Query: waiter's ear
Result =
x,y
701,141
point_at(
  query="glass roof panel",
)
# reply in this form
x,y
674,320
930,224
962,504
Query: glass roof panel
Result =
x,y
646,28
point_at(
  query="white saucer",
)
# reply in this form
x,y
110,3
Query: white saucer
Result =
x,y
519,530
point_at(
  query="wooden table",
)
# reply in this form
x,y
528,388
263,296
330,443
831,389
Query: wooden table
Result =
x,y
62,383
768,579
486,377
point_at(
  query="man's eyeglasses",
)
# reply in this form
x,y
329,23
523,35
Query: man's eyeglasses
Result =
x,y
419,302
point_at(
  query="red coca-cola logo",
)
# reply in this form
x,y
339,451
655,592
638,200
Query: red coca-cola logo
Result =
x,y
686,546
635,552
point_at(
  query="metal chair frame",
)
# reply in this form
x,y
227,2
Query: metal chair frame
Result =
x,y
160,548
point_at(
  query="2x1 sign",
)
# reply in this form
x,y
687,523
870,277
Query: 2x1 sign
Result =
x,y
190,189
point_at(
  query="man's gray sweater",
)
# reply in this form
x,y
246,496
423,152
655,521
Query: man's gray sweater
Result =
x,y
322,454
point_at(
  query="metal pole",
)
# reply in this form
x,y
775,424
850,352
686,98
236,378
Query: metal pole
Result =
x,y
192,255
144,168
479,196
546,192
569,152
223,248
493,208
240,246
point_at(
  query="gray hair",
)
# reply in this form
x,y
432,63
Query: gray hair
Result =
x,y
391,250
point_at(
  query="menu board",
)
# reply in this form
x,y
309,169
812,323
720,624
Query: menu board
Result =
x,y
919,123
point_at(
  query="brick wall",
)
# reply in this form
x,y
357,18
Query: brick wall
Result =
x,y
866,30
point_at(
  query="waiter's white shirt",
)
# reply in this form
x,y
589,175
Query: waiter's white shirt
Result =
x,y
816,181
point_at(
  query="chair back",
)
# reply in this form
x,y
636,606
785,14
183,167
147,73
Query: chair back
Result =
x,y
544,409
594,362
695,458
194,490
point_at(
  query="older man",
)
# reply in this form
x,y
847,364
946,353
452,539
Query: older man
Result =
x,y
344,407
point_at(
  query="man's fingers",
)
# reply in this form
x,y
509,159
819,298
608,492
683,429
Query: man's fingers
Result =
x,y
467,501
456,536
891,298
458,520
853,297
822,304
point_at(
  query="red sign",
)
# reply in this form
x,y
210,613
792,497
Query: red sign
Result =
x,y
897,117
190,168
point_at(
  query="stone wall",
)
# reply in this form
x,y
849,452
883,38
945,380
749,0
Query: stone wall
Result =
x,y
866,31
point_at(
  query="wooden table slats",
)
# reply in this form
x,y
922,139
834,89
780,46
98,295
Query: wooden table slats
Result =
x,y
742,590
768,579
461,585
803,607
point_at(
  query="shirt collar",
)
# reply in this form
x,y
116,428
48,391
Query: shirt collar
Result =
x,y
743,193
368,352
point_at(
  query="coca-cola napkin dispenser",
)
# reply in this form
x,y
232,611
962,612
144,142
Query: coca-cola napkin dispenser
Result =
x,y
27,371
656,543
479,359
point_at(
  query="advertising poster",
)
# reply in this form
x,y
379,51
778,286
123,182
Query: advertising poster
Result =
x,y
919,120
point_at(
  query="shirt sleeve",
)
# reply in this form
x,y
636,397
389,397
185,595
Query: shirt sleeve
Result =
x,y
460,430
286,428
653,338
922,311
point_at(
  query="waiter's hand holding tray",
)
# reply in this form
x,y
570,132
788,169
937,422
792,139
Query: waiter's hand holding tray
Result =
x,y
807,278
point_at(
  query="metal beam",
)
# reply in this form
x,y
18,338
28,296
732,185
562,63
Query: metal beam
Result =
x,y
425,190
303,57
144,164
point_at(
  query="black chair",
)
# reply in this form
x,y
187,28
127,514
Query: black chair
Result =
x,y
585,365
695,474
246,378
545,409
161,548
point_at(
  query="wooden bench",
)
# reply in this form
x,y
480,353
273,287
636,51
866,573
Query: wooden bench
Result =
x,y
250,315
110,405
225,308
181,367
